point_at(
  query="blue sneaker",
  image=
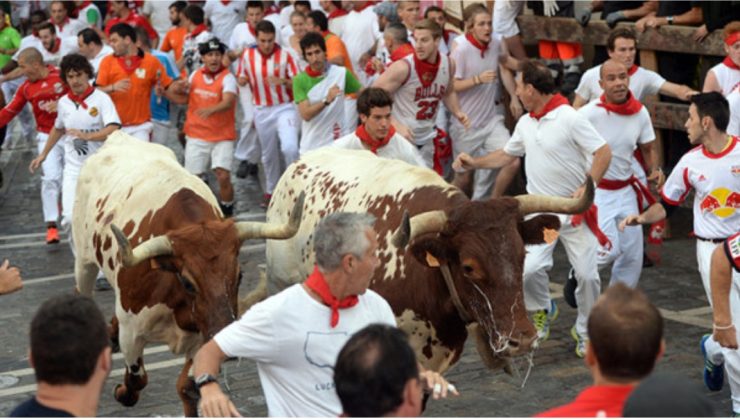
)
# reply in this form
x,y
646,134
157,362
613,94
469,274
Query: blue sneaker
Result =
x,y
714,375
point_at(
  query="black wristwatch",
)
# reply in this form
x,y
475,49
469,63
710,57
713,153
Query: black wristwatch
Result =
x,y
669,19
204,379
326,101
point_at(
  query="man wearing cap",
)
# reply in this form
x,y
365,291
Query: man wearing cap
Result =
x,y
210,125
296,335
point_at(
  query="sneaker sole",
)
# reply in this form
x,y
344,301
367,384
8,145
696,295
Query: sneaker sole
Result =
x,y
704,338
575,337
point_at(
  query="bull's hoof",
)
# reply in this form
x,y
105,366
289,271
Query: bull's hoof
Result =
x,y
124,396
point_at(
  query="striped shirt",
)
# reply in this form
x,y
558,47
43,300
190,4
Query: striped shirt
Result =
x,y
257,68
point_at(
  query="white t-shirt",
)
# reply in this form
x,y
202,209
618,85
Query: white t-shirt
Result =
x,y
100,113
95,62
190,50
241,37
289,337
158,13
716,181
359,34
559,149
734,99
642,84
71,28
328,125
727,77
478,102
397,148
623,133
224,18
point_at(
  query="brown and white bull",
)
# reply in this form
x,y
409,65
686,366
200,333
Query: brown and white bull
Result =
x,y
174,261
463,267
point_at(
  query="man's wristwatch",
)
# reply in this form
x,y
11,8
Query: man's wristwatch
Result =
x,y
669,19
326,101
204,379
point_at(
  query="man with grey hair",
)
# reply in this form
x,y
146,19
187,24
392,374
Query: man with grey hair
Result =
x,y
296,335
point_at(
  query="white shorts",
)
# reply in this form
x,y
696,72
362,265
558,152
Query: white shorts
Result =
x,y
199,152
504,17
479,141
142,132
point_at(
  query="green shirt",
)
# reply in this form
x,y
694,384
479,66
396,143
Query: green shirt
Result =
x,y
303,83
10,39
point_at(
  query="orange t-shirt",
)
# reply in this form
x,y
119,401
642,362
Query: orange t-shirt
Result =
x,y
336,48
133,104
173,40
216,127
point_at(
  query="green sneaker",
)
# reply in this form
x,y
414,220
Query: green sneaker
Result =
x,y
580,342
542,319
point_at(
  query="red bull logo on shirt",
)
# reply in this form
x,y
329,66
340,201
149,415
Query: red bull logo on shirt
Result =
x,y
721,202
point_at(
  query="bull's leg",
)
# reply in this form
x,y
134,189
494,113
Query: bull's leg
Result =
x,y
85,276
113,334
135,378
186,390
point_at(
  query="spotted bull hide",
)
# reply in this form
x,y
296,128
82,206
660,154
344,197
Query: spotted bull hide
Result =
x,y
479,244
159,236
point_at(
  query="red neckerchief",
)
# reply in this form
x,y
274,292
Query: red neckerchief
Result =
x,y
337,13
272,10
427,71
63,24
135,61
84,4
225,2
446,35
198,30
629,107
633,69
591,217
313,73
553,103
442,150
57,44
477,44
732,38
367,4
373,144
318,284
252,30
80,100
211,74
729,63
402,52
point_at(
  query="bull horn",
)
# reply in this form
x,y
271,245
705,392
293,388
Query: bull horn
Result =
x,y
258,230
427,222
530,203
154,247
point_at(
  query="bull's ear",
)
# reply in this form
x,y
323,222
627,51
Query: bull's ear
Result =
x,y
540,229
162,263
432,252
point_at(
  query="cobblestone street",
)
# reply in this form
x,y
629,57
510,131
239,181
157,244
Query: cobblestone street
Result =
x,y
556,377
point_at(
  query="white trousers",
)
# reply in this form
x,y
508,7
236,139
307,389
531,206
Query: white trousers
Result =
x,y
247,146
51,178
626,251
580,245
479,142
277,128
161,132
142,132
715,352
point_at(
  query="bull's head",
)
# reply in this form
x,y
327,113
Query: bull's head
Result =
x,y
479,249
204,258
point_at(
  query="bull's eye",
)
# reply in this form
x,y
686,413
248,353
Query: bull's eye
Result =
x,y
186,284
468,269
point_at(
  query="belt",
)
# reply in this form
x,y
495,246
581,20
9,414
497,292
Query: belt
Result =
x,y
715,241
644,197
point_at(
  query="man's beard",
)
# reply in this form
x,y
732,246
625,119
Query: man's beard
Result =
x,y
175,22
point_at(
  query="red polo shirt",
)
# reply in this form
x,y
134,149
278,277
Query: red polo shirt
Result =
x,y
594,401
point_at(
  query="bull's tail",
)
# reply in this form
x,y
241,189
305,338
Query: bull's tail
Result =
x,y
258,294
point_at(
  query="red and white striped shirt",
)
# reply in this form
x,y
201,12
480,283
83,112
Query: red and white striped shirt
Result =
x,y
258,67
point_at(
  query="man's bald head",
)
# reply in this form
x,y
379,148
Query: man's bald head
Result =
x,y
611,65
30,56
